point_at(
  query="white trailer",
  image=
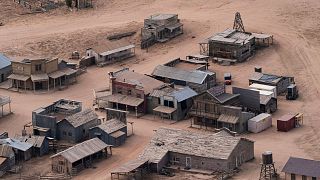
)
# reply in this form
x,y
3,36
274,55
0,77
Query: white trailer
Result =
x,y
264,88
259,123
266,93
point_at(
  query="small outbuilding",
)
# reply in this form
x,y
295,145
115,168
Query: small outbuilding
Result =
x,y
7,159
113,132
286,122
259,123
40,144
301,169
80,156
22,150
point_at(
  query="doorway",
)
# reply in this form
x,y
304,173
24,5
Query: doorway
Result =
x,y
188,162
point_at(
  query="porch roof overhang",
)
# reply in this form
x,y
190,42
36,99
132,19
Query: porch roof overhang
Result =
x,y
19,77
123,99
165,109
39,77
225,118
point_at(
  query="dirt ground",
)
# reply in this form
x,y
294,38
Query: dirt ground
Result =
x,y
294,23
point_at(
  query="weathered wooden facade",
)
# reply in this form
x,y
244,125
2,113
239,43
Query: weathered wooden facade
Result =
x,y
197,80
112,52
5,101
45,119
40,74
196,151
280,82
230,44
301,169
75,128
40,144
207,106
129,91
7,159
80,156
160,28
5,68
171,103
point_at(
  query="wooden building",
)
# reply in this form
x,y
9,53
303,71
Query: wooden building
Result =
x,y
207,106
22,150
198,80
5,68
280,82
5,101
40,74
230,44
45,119
129,91
111,52
75,128
196,151
301,169
80,156
7,159
40,145
170,102
160,28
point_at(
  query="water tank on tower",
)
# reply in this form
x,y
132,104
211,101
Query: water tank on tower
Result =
x,y
267,157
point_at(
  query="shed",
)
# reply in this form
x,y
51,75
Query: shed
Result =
x,y
259,123
40,145
286,122
22,150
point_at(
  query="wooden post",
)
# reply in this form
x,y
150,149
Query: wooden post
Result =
x,y
25,86
34,87
48,85
54,83
136,111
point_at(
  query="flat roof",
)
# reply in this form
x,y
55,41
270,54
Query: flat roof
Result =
x,y
260,117
165,109
232,36
123,99
162,16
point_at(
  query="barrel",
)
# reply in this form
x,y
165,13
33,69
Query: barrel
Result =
x,y
267,157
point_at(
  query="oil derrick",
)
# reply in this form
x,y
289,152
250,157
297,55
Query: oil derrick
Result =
x,y
238,25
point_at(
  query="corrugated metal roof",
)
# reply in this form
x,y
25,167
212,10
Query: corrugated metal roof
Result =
x,y
130,166
300,166
123,99
112,125
165,109
82,117
228,119
36,141
222,98
232,36
82,150
16,144
4,61
117,50
117,134
39,77
162,16
194,76
19,77
183,94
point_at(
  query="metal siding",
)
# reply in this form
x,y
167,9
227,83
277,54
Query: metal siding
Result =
x,y
248,98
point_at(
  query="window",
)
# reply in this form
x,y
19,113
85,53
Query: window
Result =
x,y
119,90
159,101
129,92
202,163
314,178
83,131
64,133
168,103
293,177
304,177
69,133
38,67
61,162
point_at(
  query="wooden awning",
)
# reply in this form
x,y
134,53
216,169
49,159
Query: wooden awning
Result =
x,y
117,134
123,99
130,166
19,77
56,74
39,77
228,119
164,109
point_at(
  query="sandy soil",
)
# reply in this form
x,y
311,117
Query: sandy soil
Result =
x,y
294,24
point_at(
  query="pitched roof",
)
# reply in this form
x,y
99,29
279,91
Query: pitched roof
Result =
x,y
222,98
36,141
112,125
217,146
231,36
302,166
145,82
193,76
82,117
4,61
82,150
183,94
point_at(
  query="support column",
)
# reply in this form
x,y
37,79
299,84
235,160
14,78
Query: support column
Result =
x,y
25,86
136,111
34,87
54,83
48,85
